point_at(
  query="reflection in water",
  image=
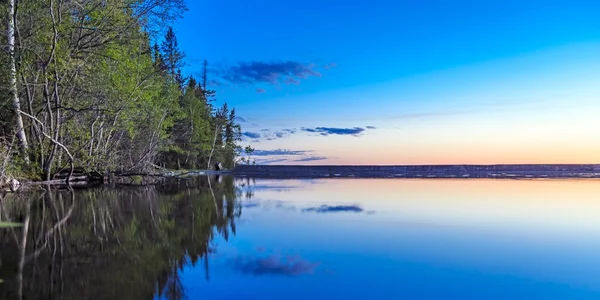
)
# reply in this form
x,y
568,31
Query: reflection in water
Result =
x,y
335,208
274,265
112,243
429,239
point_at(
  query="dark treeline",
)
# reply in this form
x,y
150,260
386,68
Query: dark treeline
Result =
x,y
113,243
97,85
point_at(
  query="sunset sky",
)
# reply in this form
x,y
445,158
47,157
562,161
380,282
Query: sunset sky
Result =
x,y
404,82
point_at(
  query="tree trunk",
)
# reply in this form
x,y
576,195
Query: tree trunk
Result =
x,y
213,147
13,82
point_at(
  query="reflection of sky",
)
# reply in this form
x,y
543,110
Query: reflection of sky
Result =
x,y
476,239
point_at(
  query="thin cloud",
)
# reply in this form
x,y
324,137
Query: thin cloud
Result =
x,y
273,135
333,209
274,266
371,127
269,161
330,66
260,91
325,131
240,119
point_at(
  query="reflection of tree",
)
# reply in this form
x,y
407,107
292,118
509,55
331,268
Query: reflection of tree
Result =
x,y
113,243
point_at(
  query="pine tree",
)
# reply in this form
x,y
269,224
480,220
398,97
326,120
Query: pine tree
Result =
x,y
173,57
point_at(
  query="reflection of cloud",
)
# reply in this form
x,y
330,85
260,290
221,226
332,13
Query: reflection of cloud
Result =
x,y
259,152
311,158
266,187
332,209
250,205
371,127
274,265
260,91
325,131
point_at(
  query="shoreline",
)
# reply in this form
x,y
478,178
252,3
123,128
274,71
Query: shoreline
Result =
x,y
513,171
501,171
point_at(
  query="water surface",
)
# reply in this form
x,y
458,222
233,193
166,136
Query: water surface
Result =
x,y
307,239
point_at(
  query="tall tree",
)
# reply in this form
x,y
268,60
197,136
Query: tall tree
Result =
x,y
86,87
173,57
13,81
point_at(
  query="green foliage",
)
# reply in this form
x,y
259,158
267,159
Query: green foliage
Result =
x,y
249,150
104,85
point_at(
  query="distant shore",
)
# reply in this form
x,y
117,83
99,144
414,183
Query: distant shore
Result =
x,y
423,171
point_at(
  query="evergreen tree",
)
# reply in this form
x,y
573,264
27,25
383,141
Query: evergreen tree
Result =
x,y
173,57
96,94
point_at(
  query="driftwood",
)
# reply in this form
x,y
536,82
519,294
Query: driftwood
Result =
x,y
9,184
81,179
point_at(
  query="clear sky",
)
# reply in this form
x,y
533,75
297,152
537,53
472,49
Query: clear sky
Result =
x,y
404,82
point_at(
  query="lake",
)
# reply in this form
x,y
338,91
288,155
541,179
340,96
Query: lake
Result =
x,y
243,238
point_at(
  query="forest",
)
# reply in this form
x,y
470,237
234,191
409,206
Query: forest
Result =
x,y
97,85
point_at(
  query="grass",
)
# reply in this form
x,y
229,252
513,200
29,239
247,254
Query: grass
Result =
x,y
10,224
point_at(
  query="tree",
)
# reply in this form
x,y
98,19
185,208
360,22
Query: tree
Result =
x,y
98,94
173,57
13,81
249,150
159,62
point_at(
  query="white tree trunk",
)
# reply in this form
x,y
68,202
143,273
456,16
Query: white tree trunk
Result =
x,y
213,146
13,81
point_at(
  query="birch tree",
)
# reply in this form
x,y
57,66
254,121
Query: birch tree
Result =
x,y
14,92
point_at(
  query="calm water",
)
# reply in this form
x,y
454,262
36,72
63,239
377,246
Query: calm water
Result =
x,y
306,239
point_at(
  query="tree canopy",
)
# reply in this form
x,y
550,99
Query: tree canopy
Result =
x,y
98,84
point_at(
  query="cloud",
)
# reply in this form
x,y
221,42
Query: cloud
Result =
x,y
272,72
213,82
252,135
311,158
269,161
325,131
258,152
274,266
333,209
371,127
330,66
273,135
285,155
260,91
240,119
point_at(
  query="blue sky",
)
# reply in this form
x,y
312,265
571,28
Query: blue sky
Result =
x,y
404,82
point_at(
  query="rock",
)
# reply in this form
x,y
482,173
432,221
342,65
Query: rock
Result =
x,y
14,185
219,166
9,184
